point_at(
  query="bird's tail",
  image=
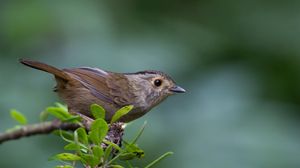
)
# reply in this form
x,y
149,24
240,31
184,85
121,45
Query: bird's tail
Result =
x,y
45,67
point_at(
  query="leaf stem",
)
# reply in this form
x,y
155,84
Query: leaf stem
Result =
x,y
159,159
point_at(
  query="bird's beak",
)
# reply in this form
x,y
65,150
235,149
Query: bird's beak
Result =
x,y
177,89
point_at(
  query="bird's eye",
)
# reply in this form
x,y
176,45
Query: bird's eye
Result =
x,y
157,82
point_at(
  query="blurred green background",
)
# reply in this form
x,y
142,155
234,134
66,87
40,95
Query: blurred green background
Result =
x,y
238,60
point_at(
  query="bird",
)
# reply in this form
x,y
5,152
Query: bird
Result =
x,y
83,86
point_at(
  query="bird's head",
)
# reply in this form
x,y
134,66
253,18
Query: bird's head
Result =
x,y
154,86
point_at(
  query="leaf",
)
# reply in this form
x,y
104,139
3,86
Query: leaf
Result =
x,y
116,166
76,141
107,152
121,112
90,160
44,115
159,159
66,157
65,135
62,106
74,147
19,117
128,164
64,166
127,156
132,151
73,119
97,111
113,145
87,159
62,114
82,135
98,151
71,146
59,113
133,148
98,131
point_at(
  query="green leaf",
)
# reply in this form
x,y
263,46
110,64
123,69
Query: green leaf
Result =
x,y
82,135
87,159
90,160
128,164
44,115
62,106
73,119
62,114
132,151
59,113
98,151
66,157
74,147
76,141
121,112
133,148
113,145
98,154
127,156
98,131
64,166
71,146
107,152
116,166
159,159
65,135
19,117
97,111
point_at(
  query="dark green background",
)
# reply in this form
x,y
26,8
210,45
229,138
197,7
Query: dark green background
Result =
x,y
238,60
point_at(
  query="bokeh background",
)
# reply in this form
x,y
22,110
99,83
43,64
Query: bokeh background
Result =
x,y
238,60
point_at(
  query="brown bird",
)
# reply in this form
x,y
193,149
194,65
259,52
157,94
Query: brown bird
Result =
x,y
81,87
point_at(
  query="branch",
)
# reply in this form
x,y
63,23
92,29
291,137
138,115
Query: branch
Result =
x,y
35,129
116,131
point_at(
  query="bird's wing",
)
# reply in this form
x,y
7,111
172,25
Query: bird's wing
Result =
x,y
106,86
121,89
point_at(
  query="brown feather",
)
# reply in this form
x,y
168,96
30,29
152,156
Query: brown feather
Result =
x,y
47,68
120,90
95,83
